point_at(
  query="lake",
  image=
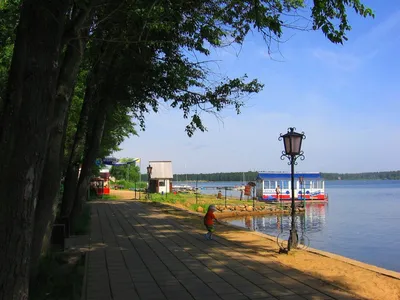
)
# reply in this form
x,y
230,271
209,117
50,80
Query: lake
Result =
x,y
361,221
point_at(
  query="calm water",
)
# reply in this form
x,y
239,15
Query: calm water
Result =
x,y
361,221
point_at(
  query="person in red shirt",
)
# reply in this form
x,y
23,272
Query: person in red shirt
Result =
x,y
209,221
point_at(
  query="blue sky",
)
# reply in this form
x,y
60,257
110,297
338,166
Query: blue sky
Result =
x,y
345,99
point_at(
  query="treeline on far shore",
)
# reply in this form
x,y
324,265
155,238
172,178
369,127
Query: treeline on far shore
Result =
x,y
251,175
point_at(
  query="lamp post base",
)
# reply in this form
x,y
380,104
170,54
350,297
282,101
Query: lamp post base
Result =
x,y
293,239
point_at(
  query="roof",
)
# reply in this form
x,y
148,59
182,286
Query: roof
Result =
x,y
269,176
161,169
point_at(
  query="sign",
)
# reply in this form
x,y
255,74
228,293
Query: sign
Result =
x,y
98,162
109,160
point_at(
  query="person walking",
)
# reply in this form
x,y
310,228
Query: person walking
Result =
x,y
209,221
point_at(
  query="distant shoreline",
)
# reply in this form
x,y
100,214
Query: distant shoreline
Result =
x,y
252,175
358,179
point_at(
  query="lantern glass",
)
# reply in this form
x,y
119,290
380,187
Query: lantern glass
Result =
x,y
292,142
296,143
287,144
149,169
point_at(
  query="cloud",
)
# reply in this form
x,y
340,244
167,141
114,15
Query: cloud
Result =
x,y
379,33
364,48
342,61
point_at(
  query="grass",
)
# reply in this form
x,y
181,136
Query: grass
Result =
x,y
189,201
130,185
104,197
109,197
60,276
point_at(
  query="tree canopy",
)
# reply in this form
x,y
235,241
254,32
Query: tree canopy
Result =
x,y
129,172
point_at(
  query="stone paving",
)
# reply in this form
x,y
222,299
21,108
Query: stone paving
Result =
x,y
137,252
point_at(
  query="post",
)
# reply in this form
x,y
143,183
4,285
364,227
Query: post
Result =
x,y
254,198
148,186
293,238
225,197
197,191
135,189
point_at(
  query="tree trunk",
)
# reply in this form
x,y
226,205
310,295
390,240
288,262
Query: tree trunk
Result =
x,y
50,184
72,173
94,136
89,104
24,131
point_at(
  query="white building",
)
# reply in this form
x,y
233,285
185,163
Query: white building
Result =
x,y
161,177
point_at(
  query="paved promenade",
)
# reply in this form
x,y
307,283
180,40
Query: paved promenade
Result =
x,y
138,252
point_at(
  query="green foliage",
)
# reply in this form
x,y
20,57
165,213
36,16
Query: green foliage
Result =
x,y
74,112
129,172
194,207
227,176
331,17
389,175
169,198
109,197
9,14
118,126
131,185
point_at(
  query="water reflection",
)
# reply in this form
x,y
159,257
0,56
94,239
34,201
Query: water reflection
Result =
x,y
309,224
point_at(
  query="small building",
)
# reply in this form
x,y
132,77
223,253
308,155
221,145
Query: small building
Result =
x,y
105,174
161,177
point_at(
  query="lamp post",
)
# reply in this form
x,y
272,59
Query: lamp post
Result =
x,y
149,170
292,142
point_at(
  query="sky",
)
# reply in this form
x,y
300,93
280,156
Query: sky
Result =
x,y
346,99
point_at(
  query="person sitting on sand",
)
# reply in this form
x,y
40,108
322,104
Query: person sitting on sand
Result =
x,y
209,221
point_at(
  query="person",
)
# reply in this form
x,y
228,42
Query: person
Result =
x,y
278,192
209,221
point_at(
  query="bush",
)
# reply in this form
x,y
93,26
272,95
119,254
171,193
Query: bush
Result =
x,y
195,206
129,184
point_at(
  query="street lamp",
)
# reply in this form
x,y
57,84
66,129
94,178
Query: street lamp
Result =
x,y
149,170
292,142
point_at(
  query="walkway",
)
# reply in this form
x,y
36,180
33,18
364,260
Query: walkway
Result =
x,y
137,252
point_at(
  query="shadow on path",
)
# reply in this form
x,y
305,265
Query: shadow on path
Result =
x,y
139,252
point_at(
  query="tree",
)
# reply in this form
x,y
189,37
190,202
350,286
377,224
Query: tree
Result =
x,y
24,132
129,172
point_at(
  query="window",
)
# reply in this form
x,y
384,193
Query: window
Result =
x,y
161,183
284,184
269,184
